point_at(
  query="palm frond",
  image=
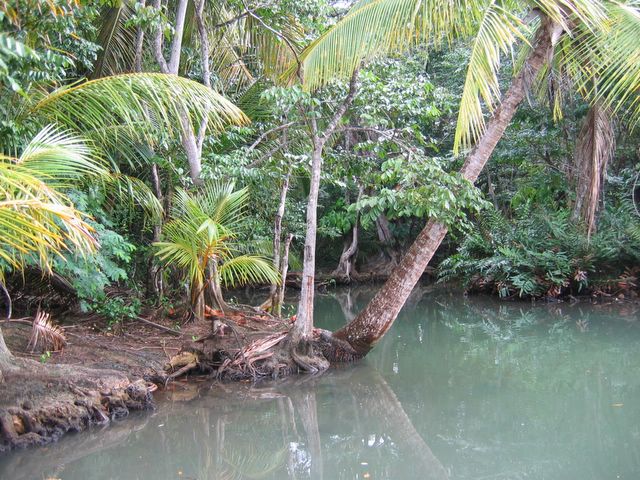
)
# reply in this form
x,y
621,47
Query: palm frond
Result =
x,y
247,269
595,148
45,335
37,221
498,31
146,102
378,27
605,64
58,157
116,41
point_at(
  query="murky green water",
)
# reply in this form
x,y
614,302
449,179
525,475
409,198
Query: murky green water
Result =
x,y
460,389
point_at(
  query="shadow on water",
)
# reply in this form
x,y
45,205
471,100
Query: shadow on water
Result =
x,y
459,388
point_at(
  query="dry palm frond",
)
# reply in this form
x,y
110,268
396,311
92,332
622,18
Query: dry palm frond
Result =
x,y
45,335
596,145
261,349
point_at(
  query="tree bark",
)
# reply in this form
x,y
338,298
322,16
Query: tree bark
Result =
x,y
346,264
284,268
137,59
391,256
378,316
304,321
6,359
188,138
277,236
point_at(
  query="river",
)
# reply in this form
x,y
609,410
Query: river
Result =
x,y
460,388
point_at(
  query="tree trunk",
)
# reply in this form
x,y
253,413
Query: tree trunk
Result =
x,y
6,359
197,300
304,321
284,268
385,237
277,236
188,138
303,326
378,316
594,149
214,285
346,264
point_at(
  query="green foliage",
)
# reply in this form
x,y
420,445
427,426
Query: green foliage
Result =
x,y
116,310
420,187
542,252
91,274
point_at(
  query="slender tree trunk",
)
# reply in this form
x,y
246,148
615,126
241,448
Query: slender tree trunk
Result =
x,y
346,264
197,300
385,237
304,321
378,316
137,59
6,359
284,268
277,235
303,326
594,149
215,288
189,141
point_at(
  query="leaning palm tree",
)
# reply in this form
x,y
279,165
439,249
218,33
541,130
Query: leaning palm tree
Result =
x,y
38,222
203,238
588,39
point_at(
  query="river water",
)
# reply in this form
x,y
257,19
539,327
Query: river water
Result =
x,y
460,388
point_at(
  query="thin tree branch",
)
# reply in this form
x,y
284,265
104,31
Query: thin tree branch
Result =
x,y
262,137
342,109
158,40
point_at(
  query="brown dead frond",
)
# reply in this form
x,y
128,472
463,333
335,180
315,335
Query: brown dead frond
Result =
x,y
594,150
45,335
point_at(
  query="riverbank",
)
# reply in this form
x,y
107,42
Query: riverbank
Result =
x,y
101,376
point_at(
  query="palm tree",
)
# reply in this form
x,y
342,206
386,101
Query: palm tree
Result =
x,y
584,38
37,221
203,239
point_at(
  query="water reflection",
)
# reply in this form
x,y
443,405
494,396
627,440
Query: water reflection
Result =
x,y
267,431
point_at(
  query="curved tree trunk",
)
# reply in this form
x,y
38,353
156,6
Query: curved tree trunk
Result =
x,y
378,316
388,252
346,264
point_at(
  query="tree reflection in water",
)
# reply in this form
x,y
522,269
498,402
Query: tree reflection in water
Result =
x,y
232,431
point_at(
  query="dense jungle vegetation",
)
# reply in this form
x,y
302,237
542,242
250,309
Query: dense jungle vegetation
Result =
x,y
157,155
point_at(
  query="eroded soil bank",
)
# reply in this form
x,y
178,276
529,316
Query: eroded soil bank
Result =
x,y
102,375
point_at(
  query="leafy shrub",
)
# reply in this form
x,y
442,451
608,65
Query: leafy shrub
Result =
x,y
541,252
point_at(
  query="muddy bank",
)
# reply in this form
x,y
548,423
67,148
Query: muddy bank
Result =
x,y
97,378
102,374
